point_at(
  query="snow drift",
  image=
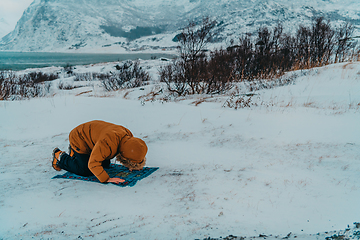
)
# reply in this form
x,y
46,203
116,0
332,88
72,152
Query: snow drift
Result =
x,y
288,163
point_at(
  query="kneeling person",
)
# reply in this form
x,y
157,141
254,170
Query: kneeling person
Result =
x,y
93,144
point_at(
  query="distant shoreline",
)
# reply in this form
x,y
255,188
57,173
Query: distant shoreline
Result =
x,y
17,61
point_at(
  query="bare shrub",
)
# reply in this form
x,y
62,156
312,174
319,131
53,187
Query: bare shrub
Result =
x,y
91,76
113,83
129,75
15,87
38,77
83,77
192,47
193,39
239,101
322,42
101,76
243,56
174,77
221,72
151,96
68,69
190,73
68,86
344,43
6,88
261,60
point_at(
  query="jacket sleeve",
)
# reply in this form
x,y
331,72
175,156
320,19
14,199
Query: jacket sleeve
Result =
x,y
103,149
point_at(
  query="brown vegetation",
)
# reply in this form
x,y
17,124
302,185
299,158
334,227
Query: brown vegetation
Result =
x,y
34,84
268,55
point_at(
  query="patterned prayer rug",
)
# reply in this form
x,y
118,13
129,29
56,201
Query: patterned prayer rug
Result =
x,y
115,170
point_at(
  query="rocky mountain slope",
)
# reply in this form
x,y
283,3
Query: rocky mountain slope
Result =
x,y
120,25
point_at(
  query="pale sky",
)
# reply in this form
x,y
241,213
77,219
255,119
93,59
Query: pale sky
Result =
x,y
12,10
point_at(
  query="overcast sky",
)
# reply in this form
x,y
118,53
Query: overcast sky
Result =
x,y
11,10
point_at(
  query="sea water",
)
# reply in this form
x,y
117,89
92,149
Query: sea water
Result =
x,y
23,60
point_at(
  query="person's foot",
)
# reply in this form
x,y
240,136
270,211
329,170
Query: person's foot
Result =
x,y
56,158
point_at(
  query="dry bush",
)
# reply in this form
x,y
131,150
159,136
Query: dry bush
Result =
x,y
13,87
239,101
151,96
193,72
174,77
63,86
68,69
38,77
193,39
83,77
129,75
91,76
345,47
261,60
101,76
221,72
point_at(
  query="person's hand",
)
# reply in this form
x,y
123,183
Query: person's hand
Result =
x,y
130,169
115,180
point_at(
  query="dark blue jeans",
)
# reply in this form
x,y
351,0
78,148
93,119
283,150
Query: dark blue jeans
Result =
x,y
78,163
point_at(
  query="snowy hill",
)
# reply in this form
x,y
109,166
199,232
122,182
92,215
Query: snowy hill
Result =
x,y
287,166
5,28
122,25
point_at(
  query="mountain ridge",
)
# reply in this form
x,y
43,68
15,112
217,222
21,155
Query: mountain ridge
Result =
x,y
4,27
123,25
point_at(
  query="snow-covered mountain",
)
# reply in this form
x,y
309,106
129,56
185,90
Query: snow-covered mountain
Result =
x,y
115,25
5,27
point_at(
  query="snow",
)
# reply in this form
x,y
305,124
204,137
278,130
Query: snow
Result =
x,y
65,30
289,163
5,28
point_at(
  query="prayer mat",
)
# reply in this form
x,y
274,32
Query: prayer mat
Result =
x,y
115,170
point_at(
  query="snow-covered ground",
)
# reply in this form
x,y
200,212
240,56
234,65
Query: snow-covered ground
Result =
x,y
289,163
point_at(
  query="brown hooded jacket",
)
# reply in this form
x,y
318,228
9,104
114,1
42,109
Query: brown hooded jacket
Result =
x,y
103,141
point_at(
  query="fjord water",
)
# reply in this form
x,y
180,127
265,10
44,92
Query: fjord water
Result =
x,y
23,60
